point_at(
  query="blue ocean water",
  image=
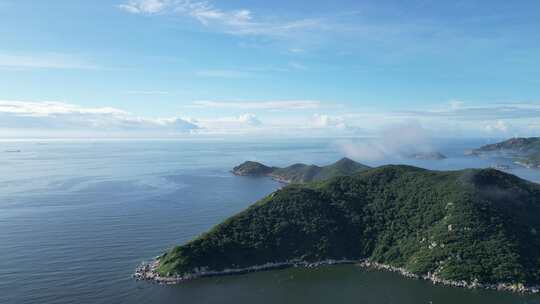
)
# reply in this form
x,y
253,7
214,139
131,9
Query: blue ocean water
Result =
x,y
76,217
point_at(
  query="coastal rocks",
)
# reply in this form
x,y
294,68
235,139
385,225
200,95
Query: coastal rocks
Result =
x,y
433,278
148,272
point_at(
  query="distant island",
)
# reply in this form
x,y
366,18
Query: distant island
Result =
x,y
525,151
426,155
300,173
473,228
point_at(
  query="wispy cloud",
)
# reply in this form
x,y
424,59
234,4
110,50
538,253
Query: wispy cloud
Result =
x,y
297,50
44,61
223,74
144,6
48,108
136,92
297,66
236,22
460,110
259,105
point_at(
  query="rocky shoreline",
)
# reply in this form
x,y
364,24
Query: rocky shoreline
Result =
x,y
148,272
270,175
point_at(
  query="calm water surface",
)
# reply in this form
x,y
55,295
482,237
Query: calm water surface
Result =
x,y
77,217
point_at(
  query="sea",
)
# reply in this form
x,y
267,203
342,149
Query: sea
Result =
x,y
77,217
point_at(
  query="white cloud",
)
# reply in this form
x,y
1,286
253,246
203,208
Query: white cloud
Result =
x,y
498,126
275,118
259,105
136,92
392,141
456,104
144,6
43,61
237,22
326,121
51,115
249,119
233,125
243,120
49,108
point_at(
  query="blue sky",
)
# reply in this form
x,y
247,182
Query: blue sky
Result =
x,y
310,68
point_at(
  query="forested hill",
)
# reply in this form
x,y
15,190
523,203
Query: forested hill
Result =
x,y
459,225
300,173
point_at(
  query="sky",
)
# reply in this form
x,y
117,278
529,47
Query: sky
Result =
x,y
191,68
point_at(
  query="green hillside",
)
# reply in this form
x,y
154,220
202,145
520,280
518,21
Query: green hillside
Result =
x,y
459,225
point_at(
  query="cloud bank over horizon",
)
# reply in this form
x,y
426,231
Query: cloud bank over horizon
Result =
x,y
23,119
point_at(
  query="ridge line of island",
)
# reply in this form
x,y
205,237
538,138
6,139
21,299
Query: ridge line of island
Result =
x,y
471,228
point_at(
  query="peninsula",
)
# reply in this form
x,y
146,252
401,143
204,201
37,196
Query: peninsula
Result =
x,y
524,151
300,173
469,228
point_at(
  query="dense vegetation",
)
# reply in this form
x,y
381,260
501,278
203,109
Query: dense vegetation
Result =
x,y
469,224
252,168
301,173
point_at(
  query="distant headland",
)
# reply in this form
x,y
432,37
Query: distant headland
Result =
x,y
300,173
524,151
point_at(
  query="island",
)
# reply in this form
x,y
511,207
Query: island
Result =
x,y
473,228
525,151
300,173
426,156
